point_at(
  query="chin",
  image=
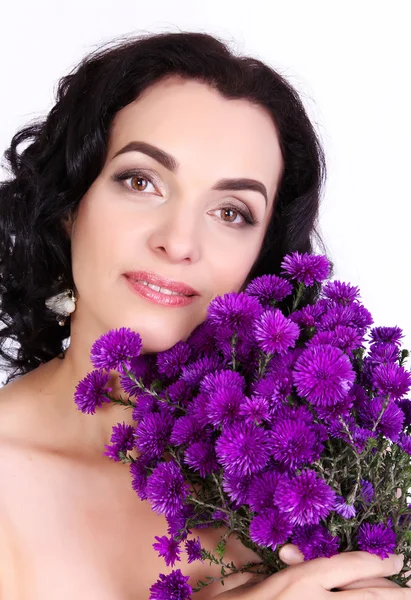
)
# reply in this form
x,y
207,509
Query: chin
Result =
x,y
160,339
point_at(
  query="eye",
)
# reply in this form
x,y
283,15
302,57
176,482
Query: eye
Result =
x,y
138,179
234,216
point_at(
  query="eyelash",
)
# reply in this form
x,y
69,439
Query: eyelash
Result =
x,y
120,177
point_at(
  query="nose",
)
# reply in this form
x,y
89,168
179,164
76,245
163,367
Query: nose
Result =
x,y
176,234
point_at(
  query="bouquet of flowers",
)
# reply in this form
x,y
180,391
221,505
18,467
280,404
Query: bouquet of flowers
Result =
x,y
281,425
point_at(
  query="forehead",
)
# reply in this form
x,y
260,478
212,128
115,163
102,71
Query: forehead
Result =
x,y
203,130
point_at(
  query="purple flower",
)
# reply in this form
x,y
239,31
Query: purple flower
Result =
x,y
202,339
166,489
306,498
367,491
235,311
237,488
226,378
122,438
170,362
376,539
306,268
255,409
261,490
351,315
201,457
276,387
315,541
171,587
187,430
243,449
270,528
343,509
293,443
405,406
138,472
391,422
387,335
224,406
142,367
177,524
114,348
324,375
91,391
308,315
381,353
194,372
269,289
167,548
392,380
194,550
275,333
404,443
340,292
153,433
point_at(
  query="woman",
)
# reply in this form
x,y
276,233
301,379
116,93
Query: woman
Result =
x,y
167,161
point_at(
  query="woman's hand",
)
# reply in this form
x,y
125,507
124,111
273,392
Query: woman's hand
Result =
x,y
291,555
313,580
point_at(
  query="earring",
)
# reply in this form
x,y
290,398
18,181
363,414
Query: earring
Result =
x,y
62,304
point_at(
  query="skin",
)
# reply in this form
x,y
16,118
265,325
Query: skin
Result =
x,y
71,525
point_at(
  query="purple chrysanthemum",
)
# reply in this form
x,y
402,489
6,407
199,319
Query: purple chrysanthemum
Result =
x,y
177,524
153,433
237,488
225,378
235,311
201,457
308,315
243,449
142,366
392,379
275,387
171,587
261,490
315,541
270,528
138,472
220,515
324,375
194,372
122,439
187,430
382,354
350,315
166,489
293,443
404,443
170,362
274,332
306,268
194,550
224,406
167,548
269,289
91,391
387,335
306,498
202,339
343,509
114,348
255,409
390,423
340,292
405,406
376,539
179,392
367,491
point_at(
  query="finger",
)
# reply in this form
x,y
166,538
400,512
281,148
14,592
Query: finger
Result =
x,y
367,583
345,568
291,555
377,593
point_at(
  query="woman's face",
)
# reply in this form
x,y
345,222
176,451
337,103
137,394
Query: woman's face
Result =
x,y
167,218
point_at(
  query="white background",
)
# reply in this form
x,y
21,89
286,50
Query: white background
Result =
x,y
350,60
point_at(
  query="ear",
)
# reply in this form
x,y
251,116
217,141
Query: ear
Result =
x,y
67,223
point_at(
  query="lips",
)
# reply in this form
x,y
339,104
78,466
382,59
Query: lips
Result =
x,y
167,284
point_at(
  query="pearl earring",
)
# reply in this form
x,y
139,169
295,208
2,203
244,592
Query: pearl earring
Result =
x,y
62,304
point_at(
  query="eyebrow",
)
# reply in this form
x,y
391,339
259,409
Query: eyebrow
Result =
x,y
170,163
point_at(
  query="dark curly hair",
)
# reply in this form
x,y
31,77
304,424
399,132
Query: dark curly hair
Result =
x,y
67,150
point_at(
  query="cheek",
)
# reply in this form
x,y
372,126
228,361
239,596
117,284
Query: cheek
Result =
x,y
232,267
